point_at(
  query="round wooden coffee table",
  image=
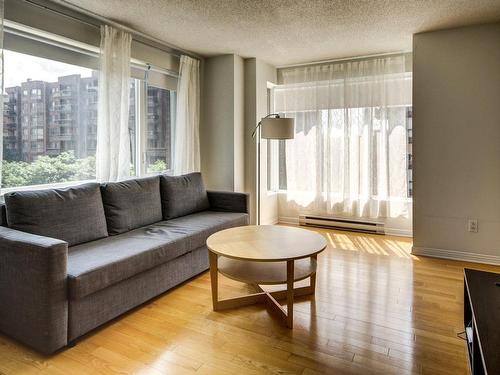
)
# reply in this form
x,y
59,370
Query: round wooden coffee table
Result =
x,y
265,255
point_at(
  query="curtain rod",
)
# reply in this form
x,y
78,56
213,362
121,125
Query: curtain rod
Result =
x,y
91,51
342,59
172,49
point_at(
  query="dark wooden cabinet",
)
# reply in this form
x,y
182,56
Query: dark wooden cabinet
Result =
x,y
482,321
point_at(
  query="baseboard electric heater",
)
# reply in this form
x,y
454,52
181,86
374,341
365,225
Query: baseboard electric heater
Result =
x,y
342,224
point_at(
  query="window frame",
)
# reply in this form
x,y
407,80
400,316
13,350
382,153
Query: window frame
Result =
x,y
272,175
141,128
72,48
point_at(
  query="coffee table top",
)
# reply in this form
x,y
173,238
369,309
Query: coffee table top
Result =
x,y
266,243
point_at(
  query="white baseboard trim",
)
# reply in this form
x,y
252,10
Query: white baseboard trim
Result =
x,y
271,222
456,255
288,220
388,231
398,232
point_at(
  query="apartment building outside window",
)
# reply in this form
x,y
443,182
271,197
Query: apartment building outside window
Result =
x,y
50,123
158,131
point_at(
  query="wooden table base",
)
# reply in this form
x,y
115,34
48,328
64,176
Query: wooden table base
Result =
x,y
269,298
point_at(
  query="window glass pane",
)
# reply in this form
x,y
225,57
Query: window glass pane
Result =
x,y
409,130
50,121
396,120
282,164
158,137
132,126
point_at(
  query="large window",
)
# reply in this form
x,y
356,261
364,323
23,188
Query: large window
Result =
x,y
277,155
50,123
351,155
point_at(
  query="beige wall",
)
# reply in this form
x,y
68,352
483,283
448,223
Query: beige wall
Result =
x,y
221,124
456,96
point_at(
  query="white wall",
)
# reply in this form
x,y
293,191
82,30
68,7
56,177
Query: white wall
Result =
x,y
269,200
222,123
250,123
239,125
257,75
234,99
456,96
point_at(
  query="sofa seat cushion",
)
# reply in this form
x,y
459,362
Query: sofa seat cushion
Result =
x,y
96,265
131,204
74,214
199,226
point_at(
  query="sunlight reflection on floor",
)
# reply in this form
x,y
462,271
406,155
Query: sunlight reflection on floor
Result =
x,y
376,244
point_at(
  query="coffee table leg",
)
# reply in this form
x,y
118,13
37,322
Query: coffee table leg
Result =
x,y
289,292
313,277
214,279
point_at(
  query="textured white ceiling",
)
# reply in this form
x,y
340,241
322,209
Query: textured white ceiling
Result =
x,y
285,32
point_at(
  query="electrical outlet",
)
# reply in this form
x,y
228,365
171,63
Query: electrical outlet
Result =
x,y
472,225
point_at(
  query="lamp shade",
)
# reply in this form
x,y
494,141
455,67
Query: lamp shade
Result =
x,y
277,128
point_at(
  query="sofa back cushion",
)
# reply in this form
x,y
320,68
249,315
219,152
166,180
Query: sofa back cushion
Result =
x,y
182,195
3,215
74,214
131,204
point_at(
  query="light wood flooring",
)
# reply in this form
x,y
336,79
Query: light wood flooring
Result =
x,y
377,309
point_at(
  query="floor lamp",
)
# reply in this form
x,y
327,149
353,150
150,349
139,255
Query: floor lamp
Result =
x,y
271,127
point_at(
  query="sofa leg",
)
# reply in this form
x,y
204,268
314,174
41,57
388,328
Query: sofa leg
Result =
x,y
71,344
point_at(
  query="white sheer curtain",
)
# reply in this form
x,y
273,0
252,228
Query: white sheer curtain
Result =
x,y
113,139
349,155
187,127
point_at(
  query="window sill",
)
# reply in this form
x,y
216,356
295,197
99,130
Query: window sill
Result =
x,y
375,197
44,186
69,183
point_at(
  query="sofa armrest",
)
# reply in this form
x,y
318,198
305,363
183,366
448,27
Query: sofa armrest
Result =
x,y
33,298
228,201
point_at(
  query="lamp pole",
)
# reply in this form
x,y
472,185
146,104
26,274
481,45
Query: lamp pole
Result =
x,y
258,177
271,127
257,132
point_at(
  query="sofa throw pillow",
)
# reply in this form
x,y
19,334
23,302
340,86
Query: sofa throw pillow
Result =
x,y
182,195
131,204
74,214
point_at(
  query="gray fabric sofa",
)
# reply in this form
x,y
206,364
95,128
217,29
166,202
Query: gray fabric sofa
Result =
x,y
72,259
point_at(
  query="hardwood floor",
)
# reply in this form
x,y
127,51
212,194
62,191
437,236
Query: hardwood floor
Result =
x,y
377,309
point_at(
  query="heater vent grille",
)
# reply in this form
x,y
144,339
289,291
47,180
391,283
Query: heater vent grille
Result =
x,y
365,226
